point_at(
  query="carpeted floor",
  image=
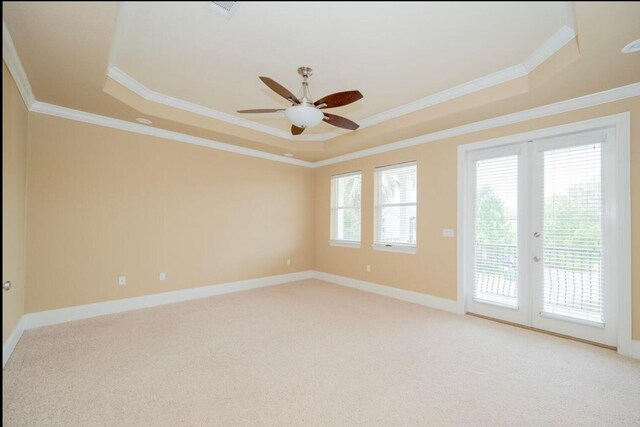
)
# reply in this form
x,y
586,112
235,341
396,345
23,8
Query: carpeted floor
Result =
x,y
311,353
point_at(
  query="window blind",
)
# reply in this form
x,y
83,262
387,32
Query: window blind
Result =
x,y
396,207
572,216
496,230
345,207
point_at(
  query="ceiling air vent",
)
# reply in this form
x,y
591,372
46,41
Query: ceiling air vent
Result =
x,y
224,8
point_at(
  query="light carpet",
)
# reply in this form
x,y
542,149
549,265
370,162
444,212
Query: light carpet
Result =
x,y
311,353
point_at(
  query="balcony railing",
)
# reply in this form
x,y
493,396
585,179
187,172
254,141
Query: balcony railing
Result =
x,y
496,273
571,282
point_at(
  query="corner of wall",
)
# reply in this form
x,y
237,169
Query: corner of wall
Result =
x,y
313,219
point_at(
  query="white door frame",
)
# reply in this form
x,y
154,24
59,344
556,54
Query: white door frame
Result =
x,y
620,124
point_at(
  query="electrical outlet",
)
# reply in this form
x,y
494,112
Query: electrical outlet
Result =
x,y
163,277
447,232
122,280
368,269
288,261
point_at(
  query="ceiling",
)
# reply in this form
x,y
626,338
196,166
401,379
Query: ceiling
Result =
x,y
394,53
422,66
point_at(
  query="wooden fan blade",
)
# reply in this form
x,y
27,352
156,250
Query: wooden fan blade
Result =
x,y
279,89
295,130
338,99
340,121
263,110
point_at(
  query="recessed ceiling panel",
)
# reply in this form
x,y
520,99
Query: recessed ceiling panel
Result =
x,y
393,52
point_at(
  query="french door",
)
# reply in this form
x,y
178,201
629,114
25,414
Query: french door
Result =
x,y
539,219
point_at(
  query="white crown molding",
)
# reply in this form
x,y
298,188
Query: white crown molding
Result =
x,y
139,89
81,116
569,15
17,71
11,58
586,101
476,85
552,45
117,34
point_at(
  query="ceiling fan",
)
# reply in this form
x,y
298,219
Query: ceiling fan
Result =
x,y
304,113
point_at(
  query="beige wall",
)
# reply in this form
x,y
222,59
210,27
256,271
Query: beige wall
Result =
x,y
104,203
14,150
433,269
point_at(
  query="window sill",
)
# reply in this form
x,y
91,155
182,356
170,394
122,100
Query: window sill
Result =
x,y
395,248
344,244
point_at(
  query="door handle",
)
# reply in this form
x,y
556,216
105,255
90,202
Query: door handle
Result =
x,y
536,258
536,234
6,285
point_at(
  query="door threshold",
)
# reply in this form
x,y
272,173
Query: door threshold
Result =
x,y
530,328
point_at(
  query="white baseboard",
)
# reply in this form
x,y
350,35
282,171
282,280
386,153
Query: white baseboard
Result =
x,y
630,348
10,345
389,291
62,315
52,317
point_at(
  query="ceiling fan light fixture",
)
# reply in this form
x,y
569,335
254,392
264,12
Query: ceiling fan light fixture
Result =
x,y
304,113
304,116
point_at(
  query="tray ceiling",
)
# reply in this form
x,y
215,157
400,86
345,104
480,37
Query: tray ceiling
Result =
x,y
422,66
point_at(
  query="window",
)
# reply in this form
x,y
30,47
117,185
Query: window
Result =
x,y
395,208
345,209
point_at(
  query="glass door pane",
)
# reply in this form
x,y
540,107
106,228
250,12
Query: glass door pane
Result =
x,y
543,246
572,233
496,231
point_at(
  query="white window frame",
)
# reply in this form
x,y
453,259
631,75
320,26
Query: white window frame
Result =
x,y
619,158
377,208
334,194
